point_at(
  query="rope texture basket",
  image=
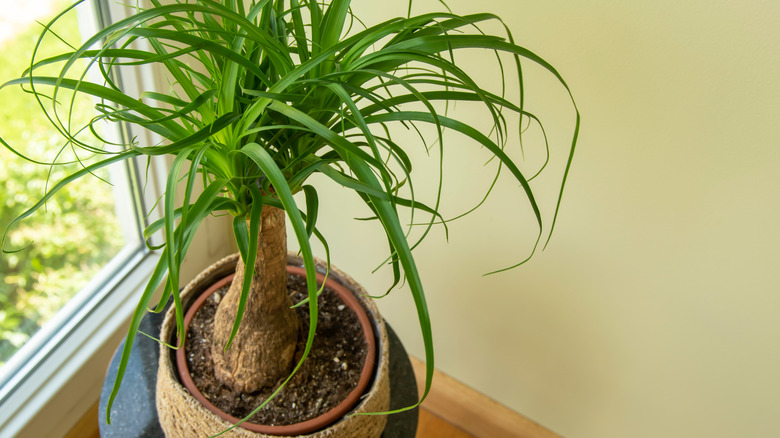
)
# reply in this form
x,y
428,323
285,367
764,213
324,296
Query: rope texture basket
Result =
x,y
182,416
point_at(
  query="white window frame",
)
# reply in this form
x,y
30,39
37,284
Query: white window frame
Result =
x,y
57,376
65,377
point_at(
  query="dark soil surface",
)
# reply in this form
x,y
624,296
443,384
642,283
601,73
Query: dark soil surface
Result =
x,y
328,375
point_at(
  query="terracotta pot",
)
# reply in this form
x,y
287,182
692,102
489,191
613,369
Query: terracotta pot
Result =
x,y
186,413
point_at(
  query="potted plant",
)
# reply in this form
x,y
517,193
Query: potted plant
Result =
x,y
263,96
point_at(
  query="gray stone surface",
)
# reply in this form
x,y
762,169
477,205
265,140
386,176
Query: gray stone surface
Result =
x,y
133,414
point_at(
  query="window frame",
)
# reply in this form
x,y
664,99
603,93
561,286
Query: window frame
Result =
x,y
66,379
53,376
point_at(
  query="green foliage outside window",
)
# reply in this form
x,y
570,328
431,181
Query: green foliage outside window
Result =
x,y
76,235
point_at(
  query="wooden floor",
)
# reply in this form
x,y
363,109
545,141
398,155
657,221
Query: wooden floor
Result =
x,y
431,425
452,410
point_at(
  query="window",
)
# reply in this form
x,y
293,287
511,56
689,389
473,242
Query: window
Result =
x,y
63,301
79,232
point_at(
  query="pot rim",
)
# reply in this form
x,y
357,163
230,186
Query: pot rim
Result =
x,y
313,424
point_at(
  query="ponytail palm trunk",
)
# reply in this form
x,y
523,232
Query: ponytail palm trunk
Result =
x,y
262,351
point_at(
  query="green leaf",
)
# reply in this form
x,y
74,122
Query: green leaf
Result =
x,y
167,129
312,207
333,22
241,232
174,258
248,256
135,322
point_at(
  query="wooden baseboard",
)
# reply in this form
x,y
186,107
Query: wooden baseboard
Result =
x,y
473,412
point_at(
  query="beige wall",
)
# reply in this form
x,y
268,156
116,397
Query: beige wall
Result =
x,y
654,311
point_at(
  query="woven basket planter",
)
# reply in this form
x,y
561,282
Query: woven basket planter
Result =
x,y
181,415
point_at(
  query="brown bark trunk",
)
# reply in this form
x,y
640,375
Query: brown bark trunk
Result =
x,y
262,351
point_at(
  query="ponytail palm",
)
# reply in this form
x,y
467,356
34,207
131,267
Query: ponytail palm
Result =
x,y
263,96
